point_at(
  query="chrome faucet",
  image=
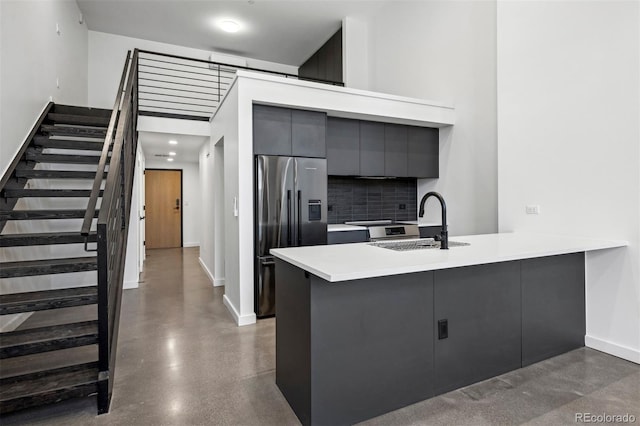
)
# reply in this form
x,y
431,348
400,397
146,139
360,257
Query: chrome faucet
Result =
x,y
444,234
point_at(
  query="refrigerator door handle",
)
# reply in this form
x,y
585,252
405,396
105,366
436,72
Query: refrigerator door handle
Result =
x,y
289,217
299,217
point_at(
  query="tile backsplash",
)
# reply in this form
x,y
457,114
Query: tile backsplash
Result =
x,y
351,199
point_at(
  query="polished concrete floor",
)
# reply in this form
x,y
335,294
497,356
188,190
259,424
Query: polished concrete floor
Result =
x,y
182,361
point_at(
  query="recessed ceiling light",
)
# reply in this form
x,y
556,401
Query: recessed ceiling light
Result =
x,y
229,26
172,153
172,142
169,159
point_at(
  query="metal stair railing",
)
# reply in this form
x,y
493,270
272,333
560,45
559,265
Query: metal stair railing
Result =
x,y
113,222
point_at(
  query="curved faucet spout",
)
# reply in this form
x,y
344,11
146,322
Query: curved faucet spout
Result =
x,y
444,234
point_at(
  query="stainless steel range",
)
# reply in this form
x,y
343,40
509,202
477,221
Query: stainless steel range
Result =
x,y
393,232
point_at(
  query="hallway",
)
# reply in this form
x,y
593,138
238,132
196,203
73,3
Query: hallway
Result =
x,y
183,361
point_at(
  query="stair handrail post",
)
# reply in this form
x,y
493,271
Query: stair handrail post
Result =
x,y
97,181
112,229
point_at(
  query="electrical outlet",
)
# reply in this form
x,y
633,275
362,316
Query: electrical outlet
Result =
x,y
532,209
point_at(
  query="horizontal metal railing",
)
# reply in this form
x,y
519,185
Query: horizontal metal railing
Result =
x,y
174,86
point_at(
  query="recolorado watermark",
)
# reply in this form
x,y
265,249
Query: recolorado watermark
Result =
x,y
605,418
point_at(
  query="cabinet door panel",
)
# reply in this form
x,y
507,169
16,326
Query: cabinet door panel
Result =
x,y
482,307
553,306
308,130
395,150
271,130
371,148
423,149
343,147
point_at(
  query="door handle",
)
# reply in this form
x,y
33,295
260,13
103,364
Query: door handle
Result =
x,y
142,217
299,217
177,204
288,217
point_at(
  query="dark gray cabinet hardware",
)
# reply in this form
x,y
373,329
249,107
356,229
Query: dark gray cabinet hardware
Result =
x,y
343,147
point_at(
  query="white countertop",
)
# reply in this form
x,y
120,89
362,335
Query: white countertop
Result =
x,y
341,227
343,262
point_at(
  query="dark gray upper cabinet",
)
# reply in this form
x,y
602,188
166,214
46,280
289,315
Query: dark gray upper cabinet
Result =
x,y
308,133
423,152
481,307
271,130
283,131
343,147
371,148
395,150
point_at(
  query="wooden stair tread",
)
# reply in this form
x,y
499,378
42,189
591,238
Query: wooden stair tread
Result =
x,y
44,238
47,299
47,386
26,268
78,110
81,145
24,193
55,174
43,214
39,157
83,120
51,338
76,131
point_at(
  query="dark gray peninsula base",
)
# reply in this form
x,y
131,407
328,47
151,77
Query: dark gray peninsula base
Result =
x,y
351,350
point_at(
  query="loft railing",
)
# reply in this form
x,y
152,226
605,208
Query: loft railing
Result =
x,y
173,86
113,221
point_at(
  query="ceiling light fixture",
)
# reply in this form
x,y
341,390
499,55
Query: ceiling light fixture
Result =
x,y
172,142
172,153
169,159
229,26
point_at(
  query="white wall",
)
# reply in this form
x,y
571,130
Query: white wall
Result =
x,y
135,237
33,57
569,132
191,198
107,53
446,50
355,52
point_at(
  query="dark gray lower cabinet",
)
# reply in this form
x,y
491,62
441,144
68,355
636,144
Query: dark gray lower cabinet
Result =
x,y
352,350
346,352
481,305
553,306
345,237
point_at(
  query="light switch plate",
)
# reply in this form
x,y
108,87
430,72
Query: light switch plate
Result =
x,y
532,209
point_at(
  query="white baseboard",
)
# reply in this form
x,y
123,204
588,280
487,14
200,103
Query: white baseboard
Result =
x,y
218,282
240,320
130,284
206,271
14,321
192,244
614,349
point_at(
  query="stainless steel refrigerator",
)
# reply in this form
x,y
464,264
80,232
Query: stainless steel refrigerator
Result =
x,y
291,210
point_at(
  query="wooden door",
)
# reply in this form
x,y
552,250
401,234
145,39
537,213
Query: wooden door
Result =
x,y
163,193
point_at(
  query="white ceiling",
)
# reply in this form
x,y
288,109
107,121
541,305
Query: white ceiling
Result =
x,y
286,32
187,149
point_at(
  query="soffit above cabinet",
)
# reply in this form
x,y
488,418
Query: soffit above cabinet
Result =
x,y
343,102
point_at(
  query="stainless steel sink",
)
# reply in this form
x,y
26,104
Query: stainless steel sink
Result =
x,y
423,243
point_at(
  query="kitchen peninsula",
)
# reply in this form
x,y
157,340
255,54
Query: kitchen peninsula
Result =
x,y
362,330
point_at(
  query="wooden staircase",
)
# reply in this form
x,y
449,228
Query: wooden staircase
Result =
x,y
61,152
